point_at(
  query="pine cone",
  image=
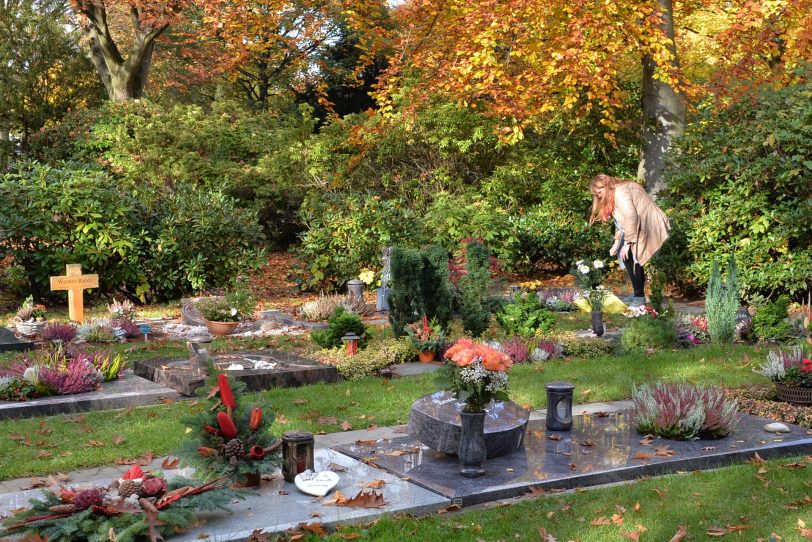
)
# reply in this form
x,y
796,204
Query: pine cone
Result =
x,y
63,509
234,448
127,488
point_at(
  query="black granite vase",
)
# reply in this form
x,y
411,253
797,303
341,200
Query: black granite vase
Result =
x,y
597,323
472,450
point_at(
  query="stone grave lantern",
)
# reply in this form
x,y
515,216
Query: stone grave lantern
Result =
x,y
297,453
559,406
350,341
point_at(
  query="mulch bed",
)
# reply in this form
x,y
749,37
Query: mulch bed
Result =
x,y
761,401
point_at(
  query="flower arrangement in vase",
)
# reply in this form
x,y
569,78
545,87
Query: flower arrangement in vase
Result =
x,y
138,506
792,374
589,277
426,338
231,439
476,374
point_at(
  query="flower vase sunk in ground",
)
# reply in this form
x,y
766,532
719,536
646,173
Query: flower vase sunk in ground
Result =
x,y
472,450
597,323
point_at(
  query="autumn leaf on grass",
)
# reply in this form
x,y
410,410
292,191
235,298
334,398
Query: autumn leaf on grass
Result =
x,y
170,463
44,430
95,443
716,531
757,459
281,419
15,436
545,536
371,427
617,519
806,501
42,454
300,401
664,451
345,425
680,535
602,520
375,484
117,439
738,528
327,420
631,535
450,508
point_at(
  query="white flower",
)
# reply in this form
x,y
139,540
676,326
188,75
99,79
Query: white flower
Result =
x,y
597,264
233,311
579,263
584,269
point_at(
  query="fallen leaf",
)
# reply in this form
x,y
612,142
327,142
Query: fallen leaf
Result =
x,y
617,519
631,535
450,508
587,442
371,427
738,528
636,507
170,463
166,401
375,484
372,442
793,466
95,443
660,493
601,414
647,440
349,536
314,528
602,520
117,439
572,466
757,459
717,531
42,454
335,467
371,499
664,451
806,501
554,436
345,425
299,401
545,536
535,491
682,532
327,420
281,419
43,430
641,456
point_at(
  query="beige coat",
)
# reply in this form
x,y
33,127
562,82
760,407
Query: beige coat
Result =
x,y
643,223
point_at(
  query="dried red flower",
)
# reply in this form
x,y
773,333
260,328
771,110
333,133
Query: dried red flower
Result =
x,y
226,395
226,425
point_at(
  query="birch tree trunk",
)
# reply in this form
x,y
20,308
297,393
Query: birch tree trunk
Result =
x,y
663,113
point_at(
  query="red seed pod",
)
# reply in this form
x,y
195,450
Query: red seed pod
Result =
x,y
227,425
226,395
256,419
210,429
256,452
206,452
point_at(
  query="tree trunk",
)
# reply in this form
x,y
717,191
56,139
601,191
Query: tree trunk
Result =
x,y
663,113
124,79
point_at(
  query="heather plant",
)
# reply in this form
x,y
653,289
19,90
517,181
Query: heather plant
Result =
x,y
321,308
562,301
59,332
127,327
788,367
722,303
516,348
683,411
77,375
771,320
691,330
98,331
121,309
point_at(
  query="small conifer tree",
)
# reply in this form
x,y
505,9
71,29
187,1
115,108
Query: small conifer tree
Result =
x,y
405,298
475,289
722,303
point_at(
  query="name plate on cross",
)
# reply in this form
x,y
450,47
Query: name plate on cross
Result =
x,y
75,283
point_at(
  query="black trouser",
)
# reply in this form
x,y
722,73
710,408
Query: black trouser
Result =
x,y
636,274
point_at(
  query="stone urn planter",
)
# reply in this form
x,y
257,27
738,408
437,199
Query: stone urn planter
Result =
x,y
220,329
792,393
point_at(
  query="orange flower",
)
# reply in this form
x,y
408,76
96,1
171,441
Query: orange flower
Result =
x,y
461,344
464,357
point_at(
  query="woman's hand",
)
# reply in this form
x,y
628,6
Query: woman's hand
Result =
x,y
626,253
614,249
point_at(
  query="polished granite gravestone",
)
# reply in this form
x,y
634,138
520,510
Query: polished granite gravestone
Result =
x,y
434,420
600,449
128,391
262,370
277,506
10,343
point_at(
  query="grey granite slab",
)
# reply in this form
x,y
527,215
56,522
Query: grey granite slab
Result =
x,y
289,371
10,343
434,420
599,450
128,391
410,369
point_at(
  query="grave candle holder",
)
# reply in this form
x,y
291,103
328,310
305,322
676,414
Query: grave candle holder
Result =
x,y
350,341
559,406
514,290
297,453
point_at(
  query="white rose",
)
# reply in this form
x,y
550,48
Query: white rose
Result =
x,y
597,264
583,269
233,311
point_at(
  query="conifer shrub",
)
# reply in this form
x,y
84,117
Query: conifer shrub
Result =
x,y
683,411
475,289
341,323
722,303
435,286
771,321
406,303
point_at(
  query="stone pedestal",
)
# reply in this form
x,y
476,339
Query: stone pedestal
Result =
x,y
10,343
435,421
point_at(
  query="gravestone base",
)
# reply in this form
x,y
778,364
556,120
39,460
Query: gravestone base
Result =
x,y
275,370
10,343
600,449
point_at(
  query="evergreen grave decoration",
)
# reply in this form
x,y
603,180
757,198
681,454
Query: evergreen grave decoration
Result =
x,y
230,439
722,303
139,506
419,285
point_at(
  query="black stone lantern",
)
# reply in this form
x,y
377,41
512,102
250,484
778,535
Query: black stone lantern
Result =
x,y
297,453
559,406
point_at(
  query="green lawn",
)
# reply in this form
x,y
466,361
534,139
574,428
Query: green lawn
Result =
x,y
63,444
743,502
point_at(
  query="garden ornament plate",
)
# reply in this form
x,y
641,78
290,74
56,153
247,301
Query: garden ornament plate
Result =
x,y
317,484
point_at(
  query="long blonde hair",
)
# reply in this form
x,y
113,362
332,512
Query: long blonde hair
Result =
x,y
602,208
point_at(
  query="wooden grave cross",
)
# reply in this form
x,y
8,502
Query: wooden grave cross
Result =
x,y
75,283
